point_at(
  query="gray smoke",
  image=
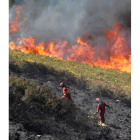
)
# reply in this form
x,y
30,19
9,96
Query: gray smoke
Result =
x,y
67,19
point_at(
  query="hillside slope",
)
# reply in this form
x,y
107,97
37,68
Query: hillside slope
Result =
x,y
118,117
113,83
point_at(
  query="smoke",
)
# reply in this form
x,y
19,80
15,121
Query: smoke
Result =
x,y
67,19
100,15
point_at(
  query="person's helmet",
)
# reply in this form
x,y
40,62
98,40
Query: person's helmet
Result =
x,y
61,84
97,99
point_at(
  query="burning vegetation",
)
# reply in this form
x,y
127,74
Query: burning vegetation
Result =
x,y
114,54
38,40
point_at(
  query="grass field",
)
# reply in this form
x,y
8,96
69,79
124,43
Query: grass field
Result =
x,y
110,82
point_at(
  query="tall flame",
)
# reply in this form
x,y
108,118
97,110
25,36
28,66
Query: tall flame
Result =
x,y
13,24
119,56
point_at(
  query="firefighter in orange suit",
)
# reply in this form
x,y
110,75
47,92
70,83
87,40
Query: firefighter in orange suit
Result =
x,y
101,109
66,91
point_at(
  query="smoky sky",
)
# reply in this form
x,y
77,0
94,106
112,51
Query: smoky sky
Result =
x,y
67,19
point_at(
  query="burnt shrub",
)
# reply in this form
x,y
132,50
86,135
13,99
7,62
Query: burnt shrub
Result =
x,y
31,105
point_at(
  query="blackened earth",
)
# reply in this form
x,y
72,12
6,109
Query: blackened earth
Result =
x,y
118,117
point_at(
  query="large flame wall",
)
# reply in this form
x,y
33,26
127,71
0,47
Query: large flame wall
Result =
x,y
115,54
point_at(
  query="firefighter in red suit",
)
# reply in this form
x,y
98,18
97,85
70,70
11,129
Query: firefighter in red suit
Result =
x,y
101,109
66,91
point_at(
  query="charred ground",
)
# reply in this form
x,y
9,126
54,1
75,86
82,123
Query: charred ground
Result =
x,y
32,116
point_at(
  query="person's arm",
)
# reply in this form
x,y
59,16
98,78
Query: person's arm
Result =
x,y
107,105
97,110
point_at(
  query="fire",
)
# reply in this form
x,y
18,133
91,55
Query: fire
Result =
x,y
13,24
115,54
81,52
120,54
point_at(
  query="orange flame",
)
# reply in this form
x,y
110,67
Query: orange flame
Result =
x,y
119,56
13,24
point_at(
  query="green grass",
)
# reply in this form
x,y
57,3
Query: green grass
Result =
x,y
112,82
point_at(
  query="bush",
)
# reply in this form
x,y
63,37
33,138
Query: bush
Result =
x,y
29,103
39,110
